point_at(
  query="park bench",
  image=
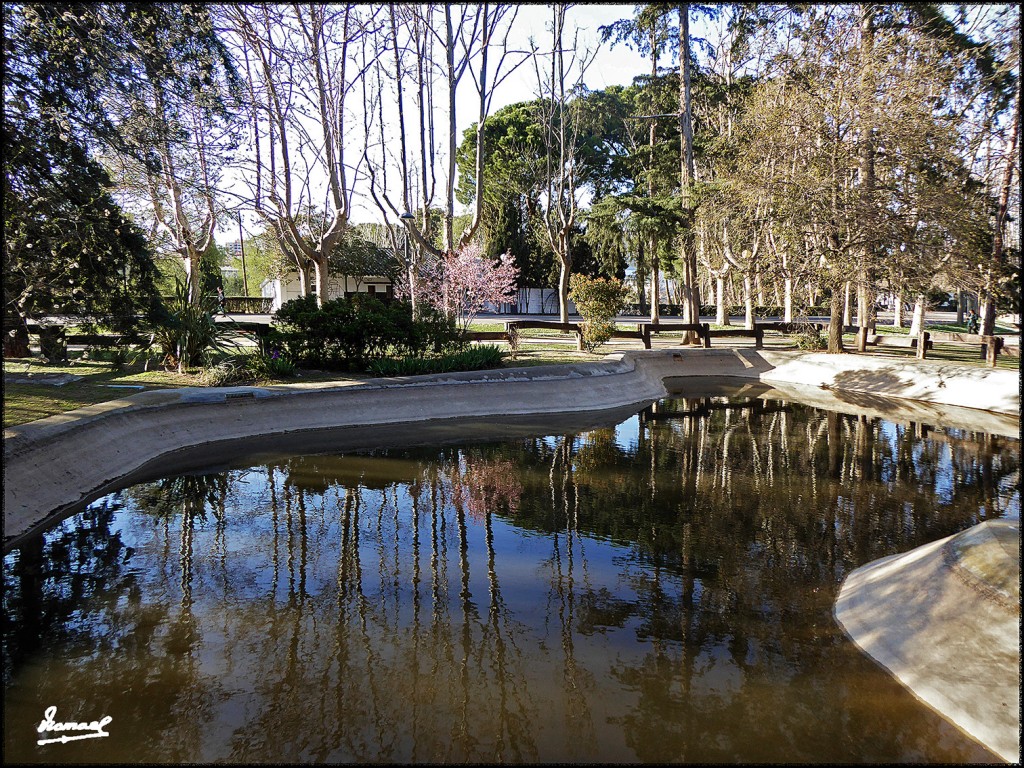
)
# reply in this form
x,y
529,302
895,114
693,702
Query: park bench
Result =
x,y
990,347
899,342
756,333
515,327
703,330
248,305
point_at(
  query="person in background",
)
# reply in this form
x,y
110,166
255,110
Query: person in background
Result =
x,y
972,321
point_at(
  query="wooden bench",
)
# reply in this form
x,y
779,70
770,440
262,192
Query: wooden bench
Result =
x,y
576,329
990,346
516,326
487,335
703,330
756,333
901,342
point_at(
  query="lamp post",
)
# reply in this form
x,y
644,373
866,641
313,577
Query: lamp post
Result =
x,y
410,267
241,251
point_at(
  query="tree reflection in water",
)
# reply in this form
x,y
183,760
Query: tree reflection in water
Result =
x,y
660,590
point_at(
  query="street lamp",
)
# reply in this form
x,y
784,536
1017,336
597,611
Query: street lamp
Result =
x,y
406,218
241,251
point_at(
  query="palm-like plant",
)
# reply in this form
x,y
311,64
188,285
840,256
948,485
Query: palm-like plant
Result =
x,y
187,332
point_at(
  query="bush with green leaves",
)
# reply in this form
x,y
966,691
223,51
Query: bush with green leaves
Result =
x,y
598,300
247,367
474,358
187,333
350,333
811,339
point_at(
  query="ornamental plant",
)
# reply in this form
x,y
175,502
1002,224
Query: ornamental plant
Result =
x,y
463,282
598,300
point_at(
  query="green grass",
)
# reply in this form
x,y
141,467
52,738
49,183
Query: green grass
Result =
x,y
1003,330
940,352
483,326
28,402
23,403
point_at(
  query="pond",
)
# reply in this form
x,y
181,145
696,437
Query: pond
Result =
x,y
654,590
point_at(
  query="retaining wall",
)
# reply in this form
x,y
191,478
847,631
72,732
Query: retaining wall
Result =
x,y
56,465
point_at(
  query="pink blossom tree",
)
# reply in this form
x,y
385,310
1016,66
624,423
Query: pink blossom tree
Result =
x,y
463,282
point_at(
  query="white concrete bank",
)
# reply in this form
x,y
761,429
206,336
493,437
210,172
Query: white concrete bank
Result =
x,y
944,619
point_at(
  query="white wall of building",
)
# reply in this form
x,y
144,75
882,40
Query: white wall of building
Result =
x,y
284,289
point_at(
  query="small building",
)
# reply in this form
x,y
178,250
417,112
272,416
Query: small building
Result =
x,y
286,287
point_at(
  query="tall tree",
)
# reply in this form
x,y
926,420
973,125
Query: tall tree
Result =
x,y
561,121
474,43
299,63
651,33
70,84
180,119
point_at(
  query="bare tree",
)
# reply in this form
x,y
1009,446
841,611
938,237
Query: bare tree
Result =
x,y
301,78
471,38
561,123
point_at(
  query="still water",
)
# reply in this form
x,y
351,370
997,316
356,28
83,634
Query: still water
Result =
x,y
660,589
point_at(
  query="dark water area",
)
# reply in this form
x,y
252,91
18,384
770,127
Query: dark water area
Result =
x,y
658,590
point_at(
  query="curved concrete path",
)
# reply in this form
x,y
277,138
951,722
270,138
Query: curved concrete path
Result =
x,y
902,610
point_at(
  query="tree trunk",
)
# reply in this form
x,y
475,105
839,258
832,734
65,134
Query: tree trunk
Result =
x,y
897,310
988,313
655,286
322,277
721,316
689,292
748,302
835,323
847,305
787,302
563,292
16,342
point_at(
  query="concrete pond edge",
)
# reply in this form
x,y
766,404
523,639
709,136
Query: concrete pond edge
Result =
x,y
53,464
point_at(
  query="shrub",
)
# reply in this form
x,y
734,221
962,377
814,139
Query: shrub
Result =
x,y
187,332
350,333
811,339
119,357
597,300
263,366
246,368
470,359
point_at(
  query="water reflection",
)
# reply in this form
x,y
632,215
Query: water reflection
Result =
x,y
658,590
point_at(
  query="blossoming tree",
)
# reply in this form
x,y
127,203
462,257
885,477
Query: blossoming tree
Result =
x,y
463,282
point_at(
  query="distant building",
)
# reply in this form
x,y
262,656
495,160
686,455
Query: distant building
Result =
x,y
286,287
